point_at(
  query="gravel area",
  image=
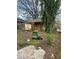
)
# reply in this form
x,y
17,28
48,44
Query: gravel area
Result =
x,y
30,52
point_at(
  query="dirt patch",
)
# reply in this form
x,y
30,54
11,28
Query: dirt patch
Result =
x,y
49,50
53,51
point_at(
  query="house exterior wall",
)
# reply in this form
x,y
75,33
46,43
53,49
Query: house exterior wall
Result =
x,y
38,27
33,26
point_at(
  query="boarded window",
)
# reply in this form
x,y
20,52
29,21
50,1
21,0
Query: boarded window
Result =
x,y
27,26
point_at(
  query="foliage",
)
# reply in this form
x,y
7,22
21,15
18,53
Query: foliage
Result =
x,y
49,39
50,11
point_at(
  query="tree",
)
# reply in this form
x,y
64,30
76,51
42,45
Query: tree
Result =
x,y
29,6
50,10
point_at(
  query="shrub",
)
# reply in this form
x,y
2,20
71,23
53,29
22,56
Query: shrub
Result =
x,y
49,39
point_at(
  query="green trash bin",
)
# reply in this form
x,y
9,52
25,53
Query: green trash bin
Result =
x,y
35,35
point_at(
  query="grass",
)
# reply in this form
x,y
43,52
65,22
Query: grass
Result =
x,y
57,49
57,45
21,42
34,42
55,37
49,38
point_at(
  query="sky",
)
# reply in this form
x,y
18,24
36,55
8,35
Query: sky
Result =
x,y
21,11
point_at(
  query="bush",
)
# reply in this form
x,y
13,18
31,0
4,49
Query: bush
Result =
x,y
49,39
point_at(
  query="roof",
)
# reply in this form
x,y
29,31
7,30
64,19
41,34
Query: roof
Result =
x,y
33,20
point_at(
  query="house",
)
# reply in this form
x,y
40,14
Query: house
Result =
x,y
20,24
33,24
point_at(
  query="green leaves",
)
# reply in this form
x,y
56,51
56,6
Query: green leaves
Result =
x,y
49,39
51,8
